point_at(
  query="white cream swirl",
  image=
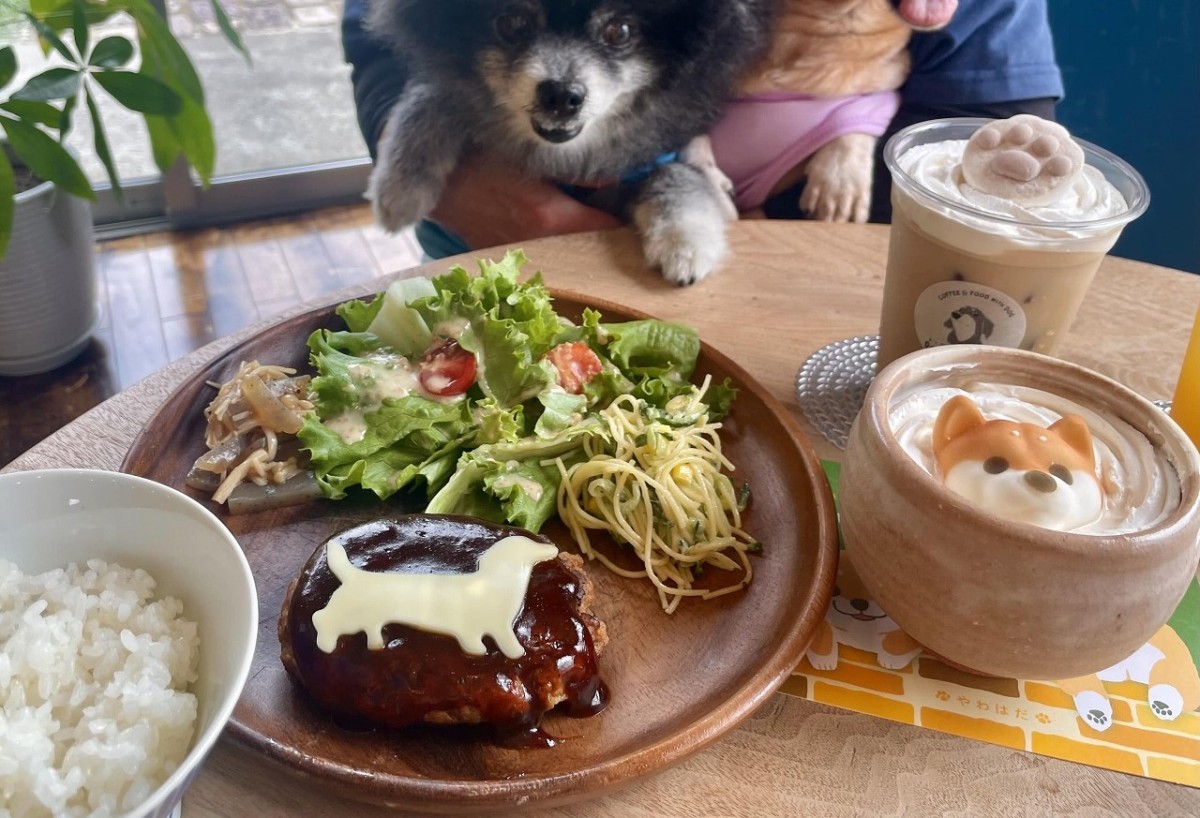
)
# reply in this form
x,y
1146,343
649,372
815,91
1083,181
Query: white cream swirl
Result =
x,y
1140,487
937,167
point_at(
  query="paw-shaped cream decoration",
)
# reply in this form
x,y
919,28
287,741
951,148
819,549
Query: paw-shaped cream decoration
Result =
x,y
1020,471
1023,159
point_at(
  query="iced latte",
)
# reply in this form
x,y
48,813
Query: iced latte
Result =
x,y
998,227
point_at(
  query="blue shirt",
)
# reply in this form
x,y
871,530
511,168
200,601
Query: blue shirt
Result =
x,y
991,51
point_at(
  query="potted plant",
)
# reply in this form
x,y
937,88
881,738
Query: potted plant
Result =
x,y
47,284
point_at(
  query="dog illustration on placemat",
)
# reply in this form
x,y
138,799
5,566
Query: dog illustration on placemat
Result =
x,y
854,619
1163,664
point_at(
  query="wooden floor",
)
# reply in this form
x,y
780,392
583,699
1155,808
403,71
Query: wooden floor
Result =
x,y
165,294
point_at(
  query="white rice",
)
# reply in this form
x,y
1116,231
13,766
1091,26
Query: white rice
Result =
x,y
94,712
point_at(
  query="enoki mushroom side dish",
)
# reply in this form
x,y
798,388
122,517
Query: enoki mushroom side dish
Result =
x,y
253,458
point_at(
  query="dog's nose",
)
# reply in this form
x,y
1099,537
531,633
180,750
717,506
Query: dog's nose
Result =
x,y
859,604
1040,481
561,98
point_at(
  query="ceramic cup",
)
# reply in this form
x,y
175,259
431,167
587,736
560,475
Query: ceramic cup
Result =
x,y
1001,597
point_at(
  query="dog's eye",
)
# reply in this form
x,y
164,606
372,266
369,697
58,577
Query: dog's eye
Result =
x,y
995,465
515,27
617,33
1062,473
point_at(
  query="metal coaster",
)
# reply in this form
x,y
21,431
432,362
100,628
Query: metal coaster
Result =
x,y
832,384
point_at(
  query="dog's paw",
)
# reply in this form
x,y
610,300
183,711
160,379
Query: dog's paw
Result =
x,y
683,257
399,203
893,662
1094,709
823,661
1024,158
679,218
838,183
1165,701
699,154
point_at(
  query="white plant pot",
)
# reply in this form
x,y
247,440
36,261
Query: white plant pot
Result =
x,y
48,307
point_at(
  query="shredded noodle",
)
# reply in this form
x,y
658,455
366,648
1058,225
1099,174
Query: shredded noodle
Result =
x,y
660,488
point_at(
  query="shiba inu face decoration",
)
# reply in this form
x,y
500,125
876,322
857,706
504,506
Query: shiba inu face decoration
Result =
x,y
1020,471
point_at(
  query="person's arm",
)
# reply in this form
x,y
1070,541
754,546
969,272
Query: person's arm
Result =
x,y
377,74
487,203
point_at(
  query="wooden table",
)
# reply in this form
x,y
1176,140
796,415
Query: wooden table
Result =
x,y
789,289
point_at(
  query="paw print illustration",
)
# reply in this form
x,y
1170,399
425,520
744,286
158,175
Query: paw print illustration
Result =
x,y
1163,710
1024,159
942,695
1097,718
1043,718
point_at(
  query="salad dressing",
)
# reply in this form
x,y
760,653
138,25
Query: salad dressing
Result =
x,y
532,488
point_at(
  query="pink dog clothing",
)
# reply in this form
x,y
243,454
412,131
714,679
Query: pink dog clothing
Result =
x,y
761,138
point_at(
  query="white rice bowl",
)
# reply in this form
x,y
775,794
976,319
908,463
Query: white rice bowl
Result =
x,y
95,712
114,687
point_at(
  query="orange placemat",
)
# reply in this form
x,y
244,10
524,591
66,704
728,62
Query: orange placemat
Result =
x,y
1140,716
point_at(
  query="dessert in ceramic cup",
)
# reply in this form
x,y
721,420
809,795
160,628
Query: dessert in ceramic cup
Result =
x,y
1019,515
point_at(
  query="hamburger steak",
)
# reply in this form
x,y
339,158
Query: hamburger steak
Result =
x,y
418,675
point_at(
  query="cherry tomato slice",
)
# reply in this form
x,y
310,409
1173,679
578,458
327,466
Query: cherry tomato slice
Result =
x,y
447,369
576,365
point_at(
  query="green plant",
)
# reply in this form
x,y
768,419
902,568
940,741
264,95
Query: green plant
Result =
x,y
153,77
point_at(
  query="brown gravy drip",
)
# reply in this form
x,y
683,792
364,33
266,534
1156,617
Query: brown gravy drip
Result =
x,y
418,672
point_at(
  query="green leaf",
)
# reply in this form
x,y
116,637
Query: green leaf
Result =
x,y
162,56
111,52
64,120
46,158
358,315
140,93
8,65
102,150
50,39
229,31
79,25
53,83
8,189
41,113
163,145
194,131
59,14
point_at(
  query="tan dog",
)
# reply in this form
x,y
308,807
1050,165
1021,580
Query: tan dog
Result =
x,y
1163,664
815,106
1020,471
854,619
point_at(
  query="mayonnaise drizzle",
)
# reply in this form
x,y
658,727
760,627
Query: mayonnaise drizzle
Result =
x,y
1140,487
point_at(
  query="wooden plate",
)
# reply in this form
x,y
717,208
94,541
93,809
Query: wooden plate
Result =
x,y
678,682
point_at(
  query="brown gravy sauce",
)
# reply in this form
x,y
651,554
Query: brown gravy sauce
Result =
x,y
418,672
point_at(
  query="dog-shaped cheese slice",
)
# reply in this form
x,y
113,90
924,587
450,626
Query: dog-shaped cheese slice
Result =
x,y
1020,471
468,607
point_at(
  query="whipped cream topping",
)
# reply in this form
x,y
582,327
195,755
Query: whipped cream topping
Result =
x,y
1139,487
938,167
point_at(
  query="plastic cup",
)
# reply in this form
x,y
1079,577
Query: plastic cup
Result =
x,y
959,274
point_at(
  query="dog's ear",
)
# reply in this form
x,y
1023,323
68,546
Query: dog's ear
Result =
x,y
1073,430
958,416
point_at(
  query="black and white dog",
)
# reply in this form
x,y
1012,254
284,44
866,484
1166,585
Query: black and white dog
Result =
x,y
589,93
